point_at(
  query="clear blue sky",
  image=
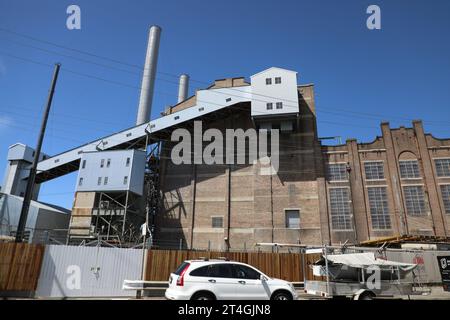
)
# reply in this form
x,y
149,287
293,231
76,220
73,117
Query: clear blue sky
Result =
x,y
397,73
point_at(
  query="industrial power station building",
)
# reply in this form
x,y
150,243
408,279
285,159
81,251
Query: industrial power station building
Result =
x,y
399,184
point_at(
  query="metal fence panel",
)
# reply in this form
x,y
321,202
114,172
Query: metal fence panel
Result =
x,y
101,270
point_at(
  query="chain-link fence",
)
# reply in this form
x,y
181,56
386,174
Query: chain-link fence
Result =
x,y
62,237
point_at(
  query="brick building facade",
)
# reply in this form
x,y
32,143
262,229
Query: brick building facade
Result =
x,y
398,184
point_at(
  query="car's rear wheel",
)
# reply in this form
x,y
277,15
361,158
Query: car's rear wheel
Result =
x,y
203,296
281,295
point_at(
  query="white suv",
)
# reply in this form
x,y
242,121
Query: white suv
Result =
x,y
225,280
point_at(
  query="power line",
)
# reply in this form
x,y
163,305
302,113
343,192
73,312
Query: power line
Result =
x,y
208,102
198,81
319,109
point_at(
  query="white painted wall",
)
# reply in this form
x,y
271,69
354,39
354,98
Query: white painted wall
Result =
x,y
285,92
115,172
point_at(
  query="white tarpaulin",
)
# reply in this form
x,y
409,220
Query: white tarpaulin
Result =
x,y
367,259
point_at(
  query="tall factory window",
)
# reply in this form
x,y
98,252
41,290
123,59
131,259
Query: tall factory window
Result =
x,y
99,181
337,172
105,182
125,180
379,208
108,163
442,167
445,190
128,162
83,164
80,183
217,222
292,219
415,200
102,163
409,169
341,218
277,80
279,105
268,80
269,105
374,170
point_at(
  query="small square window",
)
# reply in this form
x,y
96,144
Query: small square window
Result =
x,y
268,80
442,167
337,172
374,170
102,163
80,183
409,169
201,109
269,106
128,162
108,163
125,180
176,118
277,80
228,100
105,181
279,105
293,219
217,222
99,181
83,165
128,134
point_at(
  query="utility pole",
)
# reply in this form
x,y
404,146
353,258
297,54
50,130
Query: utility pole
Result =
x,y
30,183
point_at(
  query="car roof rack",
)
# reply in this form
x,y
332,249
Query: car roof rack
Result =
x,y
223,258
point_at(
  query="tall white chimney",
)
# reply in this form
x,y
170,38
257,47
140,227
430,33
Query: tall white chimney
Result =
x,y
183,87
148,78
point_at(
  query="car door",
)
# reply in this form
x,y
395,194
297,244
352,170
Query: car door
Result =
x,y
198,280
249,284
220,275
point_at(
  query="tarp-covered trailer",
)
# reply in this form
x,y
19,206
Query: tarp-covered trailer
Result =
x,y
361,276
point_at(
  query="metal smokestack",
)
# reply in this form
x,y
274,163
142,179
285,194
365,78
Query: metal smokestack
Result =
x,y
148,78
183,88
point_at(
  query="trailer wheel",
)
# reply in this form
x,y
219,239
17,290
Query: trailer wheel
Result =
x,y
367,295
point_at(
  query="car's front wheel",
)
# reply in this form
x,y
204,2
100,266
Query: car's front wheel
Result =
x,y
203,296
281,295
